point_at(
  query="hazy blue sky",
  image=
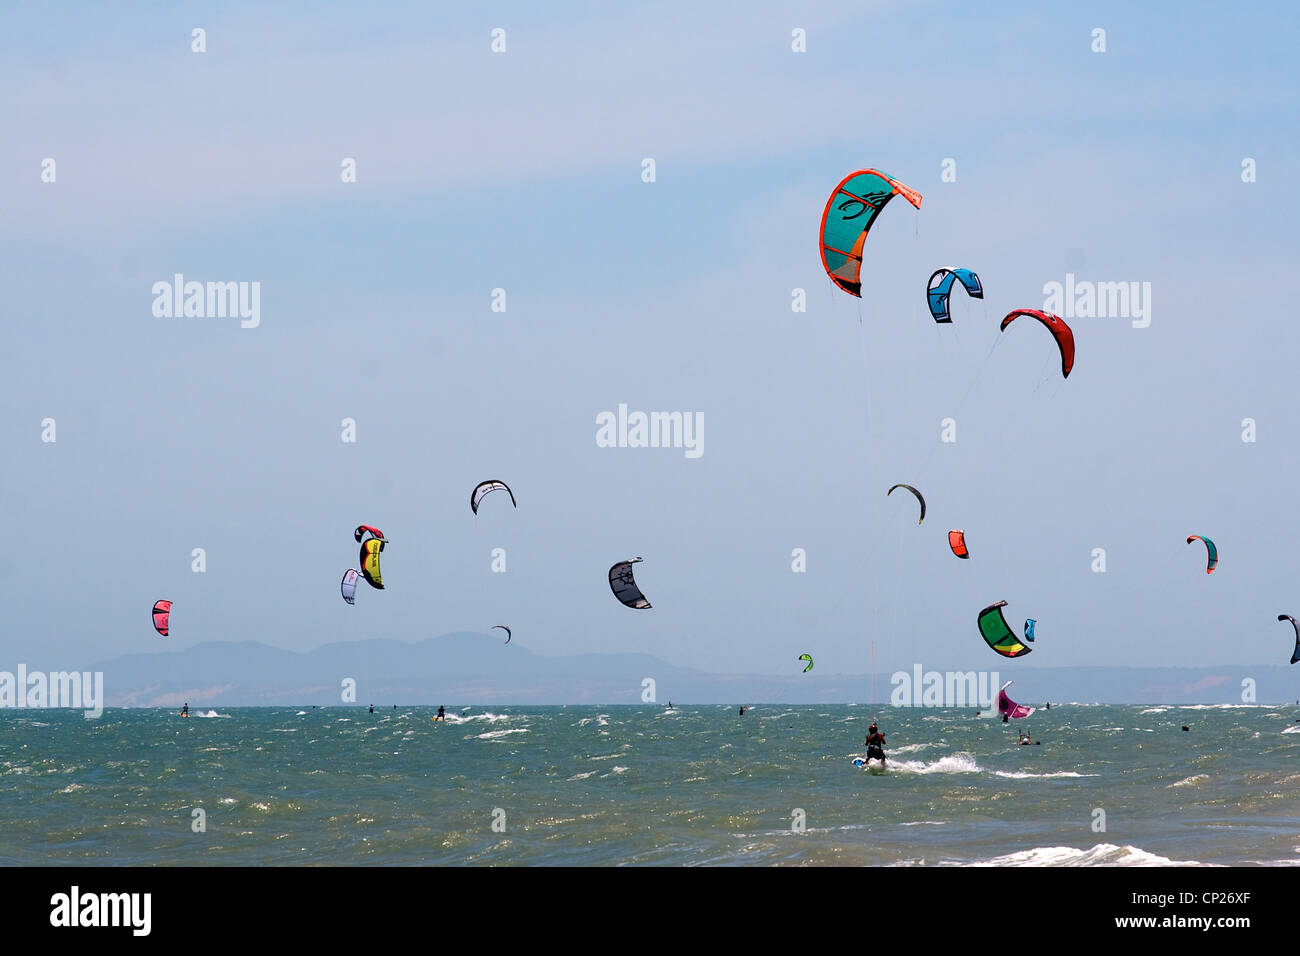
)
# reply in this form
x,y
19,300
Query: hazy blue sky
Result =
x,y
522,171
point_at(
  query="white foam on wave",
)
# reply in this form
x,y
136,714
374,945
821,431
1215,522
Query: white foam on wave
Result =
x,y
1023,775
1221,706
965,763
494,734
211,713
909,748
612,756
1103,854
1155,710
1293,729
1191,781
953,763
487,716
788,713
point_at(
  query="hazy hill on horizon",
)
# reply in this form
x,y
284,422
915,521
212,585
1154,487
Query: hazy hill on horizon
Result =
x,y
471,668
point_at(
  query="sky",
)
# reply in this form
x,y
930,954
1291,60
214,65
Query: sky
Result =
x,y
523,171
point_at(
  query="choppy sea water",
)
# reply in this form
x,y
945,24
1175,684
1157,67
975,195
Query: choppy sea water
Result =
x,y
645,785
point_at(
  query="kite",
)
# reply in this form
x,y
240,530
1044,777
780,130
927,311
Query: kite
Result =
x,y
998,634
370,549
624,586
849,214
1060,331
918,498
162,612
1029,628
808,658
484,487
939,288
509,634
363,530
1295,655
1211,551
957,541
1008,707
348,586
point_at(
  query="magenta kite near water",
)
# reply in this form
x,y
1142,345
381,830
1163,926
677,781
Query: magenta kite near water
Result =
x,y
1008,707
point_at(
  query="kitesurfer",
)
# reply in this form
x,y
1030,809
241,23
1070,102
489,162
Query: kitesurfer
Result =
x,y
372,708
442,714
185,709
875,744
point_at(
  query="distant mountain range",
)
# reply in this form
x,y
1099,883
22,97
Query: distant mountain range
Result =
x,y
467,668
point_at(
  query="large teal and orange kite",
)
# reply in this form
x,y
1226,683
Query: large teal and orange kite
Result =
x,y
1211,552
849,213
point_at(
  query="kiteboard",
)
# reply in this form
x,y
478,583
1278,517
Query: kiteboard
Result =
x,y
873,765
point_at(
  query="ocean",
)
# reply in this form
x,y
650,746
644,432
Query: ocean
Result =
x,y
620,785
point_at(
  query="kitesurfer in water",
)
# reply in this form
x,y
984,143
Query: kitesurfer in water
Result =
x,y
442,714
372,708
185,709
742,712
875,744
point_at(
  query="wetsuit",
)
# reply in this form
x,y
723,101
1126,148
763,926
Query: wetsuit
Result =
x,y
876,747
